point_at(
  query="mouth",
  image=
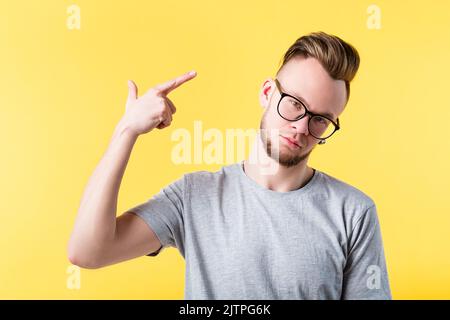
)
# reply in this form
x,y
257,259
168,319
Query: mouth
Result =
x,y
291,142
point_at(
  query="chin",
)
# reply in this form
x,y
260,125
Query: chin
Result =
x,y
291,158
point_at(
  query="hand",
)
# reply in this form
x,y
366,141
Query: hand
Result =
x,y
154,109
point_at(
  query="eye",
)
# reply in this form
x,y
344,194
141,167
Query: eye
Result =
x,y
320,120
296,104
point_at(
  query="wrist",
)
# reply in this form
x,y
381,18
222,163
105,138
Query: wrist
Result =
x,y
123,129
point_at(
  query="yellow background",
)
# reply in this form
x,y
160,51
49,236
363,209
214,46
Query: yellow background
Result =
x,y
63,91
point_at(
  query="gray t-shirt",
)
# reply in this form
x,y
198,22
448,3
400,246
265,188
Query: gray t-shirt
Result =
x,y
243,241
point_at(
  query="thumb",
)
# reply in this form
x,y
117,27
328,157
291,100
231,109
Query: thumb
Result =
x,y
132,91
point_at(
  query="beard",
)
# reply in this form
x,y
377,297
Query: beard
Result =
x,y
286,159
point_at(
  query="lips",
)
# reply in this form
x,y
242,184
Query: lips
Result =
x,y
292,141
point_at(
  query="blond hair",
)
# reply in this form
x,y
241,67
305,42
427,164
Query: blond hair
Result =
x,y
339,58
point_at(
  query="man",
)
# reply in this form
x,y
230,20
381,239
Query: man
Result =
x,y
247,232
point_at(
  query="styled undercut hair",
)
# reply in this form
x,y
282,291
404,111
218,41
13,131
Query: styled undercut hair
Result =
x,y
339,58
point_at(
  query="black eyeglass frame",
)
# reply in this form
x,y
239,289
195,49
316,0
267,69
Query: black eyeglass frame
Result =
x,y
312,114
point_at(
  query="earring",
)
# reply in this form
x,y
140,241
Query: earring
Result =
x,y
322,142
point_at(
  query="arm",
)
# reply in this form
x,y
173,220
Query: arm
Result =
x,y
95,226
365,274
98,237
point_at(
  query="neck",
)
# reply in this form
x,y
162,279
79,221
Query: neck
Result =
x,y
282,179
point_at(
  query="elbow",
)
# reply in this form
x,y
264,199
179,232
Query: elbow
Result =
x,y
82,260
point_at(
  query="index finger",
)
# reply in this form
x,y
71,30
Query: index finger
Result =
x,y
170,85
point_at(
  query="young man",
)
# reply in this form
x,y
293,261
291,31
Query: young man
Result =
x,y
295,233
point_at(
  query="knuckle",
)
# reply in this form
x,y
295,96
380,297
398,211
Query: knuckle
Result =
x,y
160,116
158,100
161,109
162,103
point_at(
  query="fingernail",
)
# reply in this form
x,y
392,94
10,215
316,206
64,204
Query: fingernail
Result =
x,y
192,72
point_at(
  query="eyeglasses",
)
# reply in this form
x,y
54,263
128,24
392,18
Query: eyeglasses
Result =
x,y
292,109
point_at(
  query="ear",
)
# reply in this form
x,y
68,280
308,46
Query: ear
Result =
x,y
266,92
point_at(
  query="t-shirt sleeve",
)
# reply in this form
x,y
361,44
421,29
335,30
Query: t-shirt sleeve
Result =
x,y
163,213
365,273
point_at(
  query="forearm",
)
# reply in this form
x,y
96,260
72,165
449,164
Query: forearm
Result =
x,y
96,219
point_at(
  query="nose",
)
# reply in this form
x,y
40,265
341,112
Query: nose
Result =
x,y
301,125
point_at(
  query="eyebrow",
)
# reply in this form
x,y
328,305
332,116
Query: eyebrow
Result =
x,y
298,97
326,114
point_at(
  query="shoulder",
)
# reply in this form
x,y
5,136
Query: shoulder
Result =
x,y
338,189
353,204
208,179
